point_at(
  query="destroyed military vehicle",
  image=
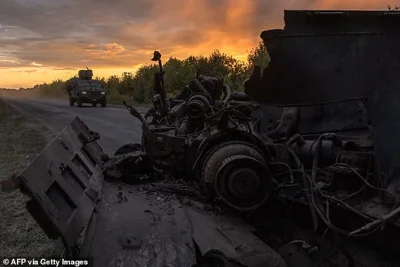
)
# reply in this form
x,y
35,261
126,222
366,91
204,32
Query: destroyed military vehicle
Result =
x,y
299,170
86,90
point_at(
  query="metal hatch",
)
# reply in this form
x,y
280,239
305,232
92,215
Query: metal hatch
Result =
x,y
63,183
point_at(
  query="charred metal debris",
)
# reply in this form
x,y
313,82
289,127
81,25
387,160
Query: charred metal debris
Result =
x,y
306,170
316,157
207,133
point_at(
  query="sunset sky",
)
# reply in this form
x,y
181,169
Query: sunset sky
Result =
x,y
42,40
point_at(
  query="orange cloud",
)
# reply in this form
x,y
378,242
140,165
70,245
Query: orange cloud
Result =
x,y
116,36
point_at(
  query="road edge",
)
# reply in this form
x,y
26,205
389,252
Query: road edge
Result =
x,y
28,116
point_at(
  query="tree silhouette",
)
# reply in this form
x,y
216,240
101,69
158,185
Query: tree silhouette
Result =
x,y
395,8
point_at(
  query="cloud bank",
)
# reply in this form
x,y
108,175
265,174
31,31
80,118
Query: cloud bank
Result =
x,y
64,35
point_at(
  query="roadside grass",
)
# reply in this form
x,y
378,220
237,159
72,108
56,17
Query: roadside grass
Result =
x,y
20,236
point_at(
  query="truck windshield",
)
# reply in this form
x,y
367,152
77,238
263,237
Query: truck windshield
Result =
x,y
90,85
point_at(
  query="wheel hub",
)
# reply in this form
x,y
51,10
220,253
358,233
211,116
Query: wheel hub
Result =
x,y
243,182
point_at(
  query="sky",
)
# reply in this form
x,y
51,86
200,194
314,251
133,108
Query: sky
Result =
x,y
44,40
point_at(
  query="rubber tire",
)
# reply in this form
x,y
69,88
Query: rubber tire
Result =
x,y
79,102
94,104
104,103
71,102
128,148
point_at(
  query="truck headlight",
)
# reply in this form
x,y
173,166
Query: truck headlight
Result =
x,y
103,93
83,93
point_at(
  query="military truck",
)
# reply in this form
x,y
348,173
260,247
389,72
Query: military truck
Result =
x,y
86,90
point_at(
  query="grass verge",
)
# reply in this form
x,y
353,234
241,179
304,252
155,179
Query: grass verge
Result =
x,y
20,142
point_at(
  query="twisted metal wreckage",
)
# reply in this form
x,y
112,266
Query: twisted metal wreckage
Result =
x,y
307,179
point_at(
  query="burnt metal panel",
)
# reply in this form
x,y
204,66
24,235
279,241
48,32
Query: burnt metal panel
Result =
x,y
333,117
310,65
225,234
61,190
321,68
323,21
141,230
313,61
318,118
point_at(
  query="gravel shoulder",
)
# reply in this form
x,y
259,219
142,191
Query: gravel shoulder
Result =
x,y
21,140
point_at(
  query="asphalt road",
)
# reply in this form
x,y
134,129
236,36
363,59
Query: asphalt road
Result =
x,y
114,124
147,218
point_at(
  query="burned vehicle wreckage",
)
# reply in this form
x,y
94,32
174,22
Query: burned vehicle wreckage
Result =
x,y
300,170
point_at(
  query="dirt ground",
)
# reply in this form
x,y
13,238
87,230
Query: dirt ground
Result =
x,y
21,139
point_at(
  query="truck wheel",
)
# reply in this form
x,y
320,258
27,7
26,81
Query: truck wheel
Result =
x,y
104,103
71,101
94,104
79,102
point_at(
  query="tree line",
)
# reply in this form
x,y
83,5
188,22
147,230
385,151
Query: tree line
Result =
x,y
139,86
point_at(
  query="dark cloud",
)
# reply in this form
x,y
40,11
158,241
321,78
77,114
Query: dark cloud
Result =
x,y
69,34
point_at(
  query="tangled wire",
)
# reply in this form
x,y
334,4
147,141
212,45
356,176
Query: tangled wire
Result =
x,y
315,195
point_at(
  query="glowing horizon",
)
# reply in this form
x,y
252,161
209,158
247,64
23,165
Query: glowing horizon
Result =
x,y
73,35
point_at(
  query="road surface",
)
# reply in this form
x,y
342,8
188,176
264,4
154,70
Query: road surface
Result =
x,y
140,216
114,124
